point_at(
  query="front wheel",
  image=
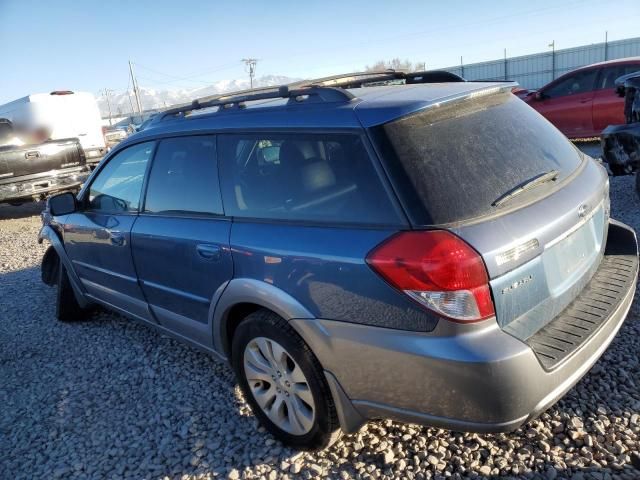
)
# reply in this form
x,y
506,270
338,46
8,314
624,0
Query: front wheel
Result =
x,y
283,382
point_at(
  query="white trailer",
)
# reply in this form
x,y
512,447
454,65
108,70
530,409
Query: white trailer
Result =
x,y
58,115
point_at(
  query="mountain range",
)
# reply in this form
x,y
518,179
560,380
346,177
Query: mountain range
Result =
x,y
151,98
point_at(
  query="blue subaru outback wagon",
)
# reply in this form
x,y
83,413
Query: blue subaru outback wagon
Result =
x,y
435,253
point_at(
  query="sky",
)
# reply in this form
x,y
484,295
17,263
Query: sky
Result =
x,y
185,44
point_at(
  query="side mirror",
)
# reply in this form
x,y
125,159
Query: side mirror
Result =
x,y
539,96
62,204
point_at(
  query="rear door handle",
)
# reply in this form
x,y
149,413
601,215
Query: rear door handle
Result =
x,y
208,251
32,154
116,238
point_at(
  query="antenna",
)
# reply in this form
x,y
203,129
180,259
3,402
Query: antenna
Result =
x,y
250,65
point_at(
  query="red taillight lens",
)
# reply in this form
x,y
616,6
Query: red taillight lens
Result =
x,y
437,269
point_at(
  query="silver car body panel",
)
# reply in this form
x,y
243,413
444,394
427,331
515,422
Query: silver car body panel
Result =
x,y
469,382
539,257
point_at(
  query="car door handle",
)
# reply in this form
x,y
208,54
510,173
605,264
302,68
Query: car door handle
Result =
x,y
32,154
116,238
208,252
587,100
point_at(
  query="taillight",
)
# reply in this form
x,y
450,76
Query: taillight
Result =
x,y
437,269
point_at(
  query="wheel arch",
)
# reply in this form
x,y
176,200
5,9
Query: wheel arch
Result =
x,y
49,234
243,296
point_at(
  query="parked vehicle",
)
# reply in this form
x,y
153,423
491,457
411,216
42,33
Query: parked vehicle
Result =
x,y
114,134
621,143
582,103
437,254
30,172
59,115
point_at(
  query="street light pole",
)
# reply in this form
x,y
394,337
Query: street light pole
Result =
x,y
553,59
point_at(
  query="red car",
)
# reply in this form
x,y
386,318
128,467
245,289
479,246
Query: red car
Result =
x,y
583,102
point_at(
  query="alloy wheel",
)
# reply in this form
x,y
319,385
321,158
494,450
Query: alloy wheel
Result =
x,y
279,386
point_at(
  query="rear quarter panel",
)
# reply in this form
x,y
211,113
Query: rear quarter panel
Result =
x,y
325,270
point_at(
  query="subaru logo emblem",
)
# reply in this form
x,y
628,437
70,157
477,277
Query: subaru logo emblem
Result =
x,y
583,210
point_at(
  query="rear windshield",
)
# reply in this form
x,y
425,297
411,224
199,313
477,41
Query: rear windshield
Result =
x,y
453,162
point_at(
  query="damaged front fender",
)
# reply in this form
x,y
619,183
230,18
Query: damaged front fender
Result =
x,y
51,265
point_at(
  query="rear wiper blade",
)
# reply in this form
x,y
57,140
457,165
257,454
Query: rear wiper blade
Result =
x,y
527,185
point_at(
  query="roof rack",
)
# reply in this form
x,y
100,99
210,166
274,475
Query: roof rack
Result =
x,y
325,89
238,100
360,79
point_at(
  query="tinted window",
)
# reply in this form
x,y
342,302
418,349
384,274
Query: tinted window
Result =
x,y
453,162
119,183
579,82
184,177
302,177
609,75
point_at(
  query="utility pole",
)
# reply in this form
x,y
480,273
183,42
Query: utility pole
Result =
x,y
461,67
250,65
553,59
136,90
106,94
606,46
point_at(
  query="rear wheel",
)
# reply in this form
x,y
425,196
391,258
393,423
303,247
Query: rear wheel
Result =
x,y
67,307
283,382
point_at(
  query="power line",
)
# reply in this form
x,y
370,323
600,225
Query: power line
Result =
x,y
190,78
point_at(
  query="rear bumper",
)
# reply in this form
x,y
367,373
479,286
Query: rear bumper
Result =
x,y
37,185
472,378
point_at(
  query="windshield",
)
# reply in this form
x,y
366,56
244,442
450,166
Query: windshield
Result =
x,y
451,163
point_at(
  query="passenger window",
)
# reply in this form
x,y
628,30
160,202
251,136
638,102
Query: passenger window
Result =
x,y
608,76
302,177
611,74
184,177
579,82
117,187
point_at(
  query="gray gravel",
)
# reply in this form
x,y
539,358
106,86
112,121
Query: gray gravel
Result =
x,y
109,398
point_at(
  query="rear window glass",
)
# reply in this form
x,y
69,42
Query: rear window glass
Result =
x,y
306,177
453,162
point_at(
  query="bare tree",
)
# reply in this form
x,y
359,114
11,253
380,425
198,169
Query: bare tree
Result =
x,y
394,63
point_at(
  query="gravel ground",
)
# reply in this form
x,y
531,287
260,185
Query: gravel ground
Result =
x,y
109,398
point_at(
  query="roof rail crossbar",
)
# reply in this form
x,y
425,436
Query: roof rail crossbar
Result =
x,y
358,79
323,94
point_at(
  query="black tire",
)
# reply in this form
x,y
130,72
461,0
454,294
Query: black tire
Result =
x,y
67,307
264,323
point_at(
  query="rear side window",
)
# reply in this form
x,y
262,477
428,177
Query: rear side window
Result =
x,y
579,82
610,74
302,177
184,177
453,162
